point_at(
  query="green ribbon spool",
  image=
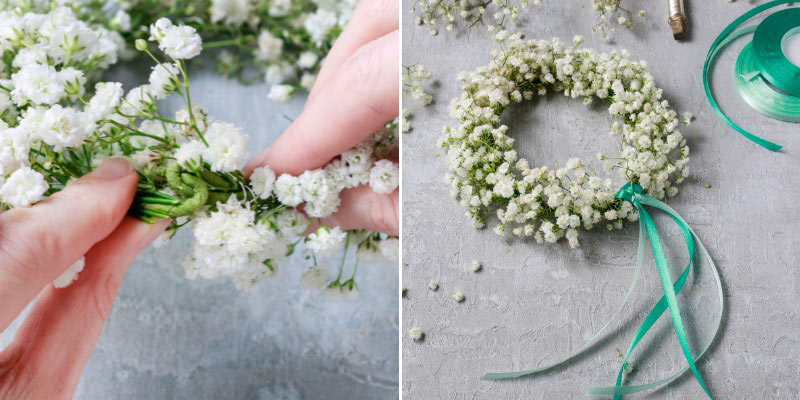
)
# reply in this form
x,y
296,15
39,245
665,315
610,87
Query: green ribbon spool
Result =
x,y
765,78
759,94
648,232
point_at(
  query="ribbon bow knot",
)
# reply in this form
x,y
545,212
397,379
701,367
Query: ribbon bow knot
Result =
x,y
629,192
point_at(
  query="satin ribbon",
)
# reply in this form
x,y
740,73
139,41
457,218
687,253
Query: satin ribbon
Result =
x,y
772,64
648,231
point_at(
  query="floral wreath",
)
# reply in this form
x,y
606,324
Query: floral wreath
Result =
x,y
486,174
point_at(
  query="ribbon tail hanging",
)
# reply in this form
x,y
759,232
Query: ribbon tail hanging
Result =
x,y
633,193
593,339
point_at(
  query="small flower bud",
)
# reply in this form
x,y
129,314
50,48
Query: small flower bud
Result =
x,y
141,44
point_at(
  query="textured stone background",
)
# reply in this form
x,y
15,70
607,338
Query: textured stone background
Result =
x,y
534,303
170,338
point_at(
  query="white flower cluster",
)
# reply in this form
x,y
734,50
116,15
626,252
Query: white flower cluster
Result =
x,y
48,57
283,66
487,175
236,241
610,12
231,242
495,14
179,42
414,79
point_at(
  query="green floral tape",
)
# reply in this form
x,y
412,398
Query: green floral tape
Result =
x,y
771,83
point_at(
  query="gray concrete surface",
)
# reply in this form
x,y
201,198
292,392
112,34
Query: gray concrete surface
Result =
x,y
534,303
170,338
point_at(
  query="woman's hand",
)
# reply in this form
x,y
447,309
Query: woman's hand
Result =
x,y
356,93
37,244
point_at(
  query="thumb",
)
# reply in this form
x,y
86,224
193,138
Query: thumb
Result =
x,y
37,244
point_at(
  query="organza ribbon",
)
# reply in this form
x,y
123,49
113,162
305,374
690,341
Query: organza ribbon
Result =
x,y
768,60
647,230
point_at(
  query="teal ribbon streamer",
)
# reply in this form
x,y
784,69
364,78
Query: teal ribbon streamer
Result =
x,y
725,37
647,231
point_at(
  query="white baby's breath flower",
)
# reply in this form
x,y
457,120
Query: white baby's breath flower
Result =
x,y
288,190
227,147
164,80
37,83
261,180
180,42
325,241
458,296
233,12
23,188
107,97
269,46
475,266
384,177
280,93
190,152
416,334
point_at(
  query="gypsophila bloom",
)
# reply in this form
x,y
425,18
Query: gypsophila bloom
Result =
x,y
452,13
23,188
384,177
232,12
457,296
261,180
416,334
269,46
70,274
164,80
488,177
227,146
107,97
325,241
405,126
433,285
288,190
190,153
179,42
37,83
607,11
413,81
280,93
475,266
230,242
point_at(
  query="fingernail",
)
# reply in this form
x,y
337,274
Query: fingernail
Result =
x,y
113,169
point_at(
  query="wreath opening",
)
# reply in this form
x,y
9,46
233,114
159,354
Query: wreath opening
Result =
x,y
549,203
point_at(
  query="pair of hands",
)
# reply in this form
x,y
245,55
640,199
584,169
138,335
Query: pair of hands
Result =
x,y
355,94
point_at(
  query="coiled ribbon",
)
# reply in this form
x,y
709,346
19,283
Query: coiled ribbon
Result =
x,y
648,232
765,78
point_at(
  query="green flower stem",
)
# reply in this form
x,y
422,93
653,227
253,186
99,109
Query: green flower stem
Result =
x,y
188,99
154,214
157,200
